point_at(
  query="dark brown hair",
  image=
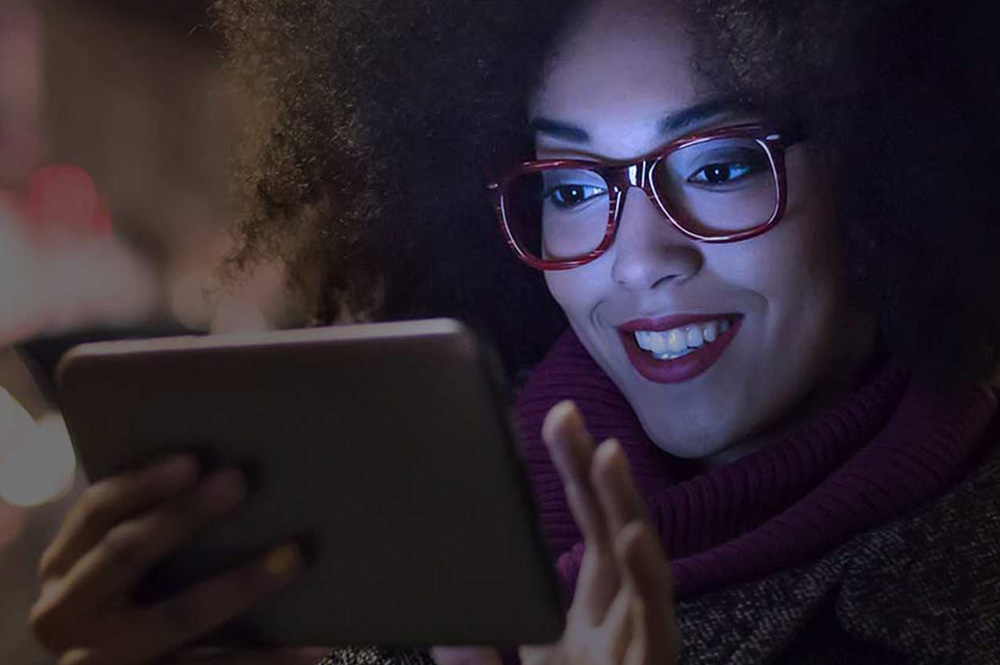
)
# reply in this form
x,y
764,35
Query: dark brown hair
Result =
x,y
377,124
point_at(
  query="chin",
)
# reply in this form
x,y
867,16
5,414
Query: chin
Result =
x,y
696,449
699,436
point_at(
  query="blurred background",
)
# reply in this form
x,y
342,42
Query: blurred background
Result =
x,y
116,128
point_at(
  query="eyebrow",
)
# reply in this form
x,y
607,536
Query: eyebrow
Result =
x,y
559,130
698,114
671,125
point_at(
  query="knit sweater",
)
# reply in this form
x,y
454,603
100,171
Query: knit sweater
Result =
x,y
889,447
921,590
871,535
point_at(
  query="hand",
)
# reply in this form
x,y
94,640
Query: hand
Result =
x,y
622,612
121,526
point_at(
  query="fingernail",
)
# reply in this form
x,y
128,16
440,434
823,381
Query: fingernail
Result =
x,y
283,561
563,414
568,408
611,452
612,447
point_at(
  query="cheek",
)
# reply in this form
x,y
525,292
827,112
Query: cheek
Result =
x,y
797,264
800,279
580,290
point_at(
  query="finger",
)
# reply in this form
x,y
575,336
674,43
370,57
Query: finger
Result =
x,y
618,625
110,501
615,487
572,450
596,586
533,655
647,574
129,549
166,626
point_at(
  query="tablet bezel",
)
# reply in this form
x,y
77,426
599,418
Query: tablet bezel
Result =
x,y
159,382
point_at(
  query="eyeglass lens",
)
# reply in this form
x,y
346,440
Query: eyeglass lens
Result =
x,y
714,188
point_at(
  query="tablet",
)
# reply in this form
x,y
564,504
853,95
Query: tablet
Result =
x,y
385,448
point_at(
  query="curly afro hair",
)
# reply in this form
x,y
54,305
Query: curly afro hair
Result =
x,y
376,125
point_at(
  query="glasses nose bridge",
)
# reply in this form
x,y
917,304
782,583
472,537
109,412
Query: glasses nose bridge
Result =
x,y
637,175
626,177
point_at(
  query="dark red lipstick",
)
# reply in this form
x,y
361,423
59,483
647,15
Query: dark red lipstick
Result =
x,y
686,367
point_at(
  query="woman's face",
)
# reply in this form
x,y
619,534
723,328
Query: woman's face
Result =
x,y
613,80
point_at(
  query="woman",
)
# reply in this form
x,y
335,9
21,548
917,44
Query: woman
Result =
x,y
778,287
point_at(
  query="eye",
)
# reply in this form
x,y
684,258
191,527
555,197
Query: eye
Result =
x,y
570,196
728,166
723,174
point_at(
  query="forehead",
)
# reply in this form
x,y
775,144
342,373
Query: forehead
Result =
x,y
617,72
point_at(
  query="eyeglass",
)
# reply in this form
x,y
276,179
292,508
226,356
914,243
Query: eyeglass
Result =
x,y
719,186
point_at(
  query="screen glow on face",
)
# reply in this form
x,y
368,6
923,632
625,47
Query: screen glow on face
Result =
x,y
783,288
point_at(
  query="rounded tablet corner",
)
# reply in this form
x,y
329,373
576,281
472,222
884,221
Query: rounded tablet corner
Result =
x,y
467,343
456,326
438,327
69,362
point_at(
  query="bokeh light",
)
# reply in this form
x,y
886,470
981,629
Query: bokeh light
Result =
x,y
16,424
12,520
37,463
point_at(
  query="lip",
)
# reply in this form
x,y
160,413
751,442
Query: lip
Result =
x,y
686,367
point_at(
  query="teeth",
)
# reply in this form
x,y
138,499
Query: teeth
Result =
x,y
676,341
672,356
651,341
695,338
670,344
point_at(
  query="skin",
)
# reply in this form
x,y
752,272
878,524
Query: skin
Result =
x,y
614,78
120,527
86,613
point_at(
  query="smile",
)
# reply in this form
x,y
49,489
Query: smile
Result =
x,y
678,342
678,348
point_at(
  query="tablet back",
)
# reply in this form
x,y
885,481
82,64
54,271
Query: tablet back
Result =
x,y
383,447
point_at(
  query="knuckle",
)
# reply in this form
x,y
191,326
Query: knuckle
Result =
x,y
124,546
47,627
95,503
46,563
40,622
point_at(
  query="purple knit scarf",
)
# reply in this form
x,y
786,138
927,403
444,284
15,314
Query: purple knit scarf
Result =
x,y
892,445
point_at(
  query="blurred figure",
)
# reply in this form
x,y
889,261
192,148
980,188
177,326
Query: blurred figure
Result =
x,y
133,95
61,268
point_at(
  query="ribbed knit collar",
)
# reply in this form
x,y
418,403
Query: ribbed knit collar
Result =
x,y
887,448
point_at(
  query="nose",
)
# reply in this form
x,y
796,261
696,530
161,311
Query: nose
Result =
x,y
649,251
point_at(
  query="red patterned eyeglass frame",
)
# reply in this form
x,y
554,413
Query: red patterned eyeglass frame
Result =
x,y
622,176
